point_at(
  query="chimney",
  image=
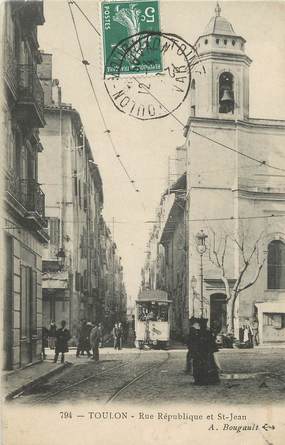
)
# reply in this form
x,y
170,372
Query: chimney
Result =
x,y
56,92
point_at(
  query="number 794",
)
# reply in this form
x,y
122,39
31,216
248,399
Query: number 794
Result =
x,y
65,415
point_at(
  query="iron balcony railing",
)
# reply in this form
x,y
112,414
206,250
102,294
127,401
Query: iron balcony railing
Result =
x,y
28,193
29,89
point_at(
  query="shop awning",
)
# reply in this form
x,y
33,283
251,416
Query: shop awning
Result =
x,y
55,280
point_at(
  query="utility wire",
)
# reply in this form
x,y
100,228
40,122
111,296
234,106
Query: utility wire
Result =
x,y
232,218
239,152
86,63
87,18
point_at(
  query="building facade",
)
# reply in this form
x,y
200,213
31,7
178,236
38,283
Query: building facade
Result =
x,y
228,209
24,223
166,265
233,194
74,201
113,289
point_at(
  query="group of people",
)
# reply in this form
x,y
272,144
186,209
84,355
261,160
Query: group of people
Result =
x,y
118,334
90,338
201,358
56,339
248,334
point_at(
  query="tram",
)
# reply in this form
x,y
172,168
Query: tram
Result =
x,y
152,319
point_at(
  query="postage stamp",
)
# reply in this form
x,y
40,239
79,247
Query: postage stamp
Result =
x,y
124,19
151,96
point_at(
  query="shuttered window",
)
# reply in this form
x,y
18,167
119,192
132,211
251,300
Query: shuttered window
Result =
x,y
54,227
276,265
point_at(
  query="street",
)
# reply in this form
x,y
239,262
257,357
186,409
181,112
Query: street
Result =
x,y
153,376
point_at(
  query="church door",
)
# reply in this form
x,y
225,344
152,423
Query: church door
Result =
x,y
218,312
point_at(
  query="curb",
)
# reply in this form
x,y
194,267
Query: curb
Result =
x,y
17,392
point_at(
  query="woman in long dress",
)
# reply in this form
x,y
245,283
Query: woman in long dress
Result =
x,y
203,347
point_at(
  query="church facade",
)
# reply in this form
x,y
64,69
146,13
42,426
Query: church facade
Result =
x,y
235,194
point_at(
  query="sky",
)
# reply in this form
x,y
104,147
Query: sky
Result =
x,y
144,146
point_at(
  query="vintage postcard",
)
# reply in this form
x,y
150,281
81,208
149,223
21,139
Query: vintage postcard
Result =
x,y
143,222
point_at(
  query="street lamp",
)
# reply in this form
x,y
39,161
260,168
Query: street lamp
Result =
x,y
193,286
201,248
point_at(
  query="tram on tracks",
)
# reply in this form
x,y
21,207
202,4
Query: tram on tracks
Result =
x,y
152,319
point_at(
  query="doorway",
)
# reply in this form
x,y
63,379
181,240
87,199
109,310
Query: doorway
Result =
x,y
8,305
218,312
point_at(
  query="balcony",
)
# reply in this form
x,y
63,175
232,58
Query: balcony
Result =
x,y
30,97
30,12
26,196
10,67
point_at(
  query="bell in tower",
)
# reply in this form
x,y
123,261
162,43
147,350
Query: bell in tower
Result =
x,y
222,92
226,93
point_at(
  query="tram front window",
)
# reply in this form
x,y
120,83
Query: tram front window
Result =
x,y
152,312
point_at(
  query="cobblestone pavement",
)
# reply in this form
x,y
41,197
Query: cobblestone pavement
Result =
x,y
151,377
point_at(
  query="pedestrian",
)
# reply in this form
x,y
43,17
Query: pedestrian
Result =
x,y
61,342
241,334
203,347
84,339
95,341
51,335
45,333
255,333
101,335
250,335
87,344
189,357
120,335
115,332
247,336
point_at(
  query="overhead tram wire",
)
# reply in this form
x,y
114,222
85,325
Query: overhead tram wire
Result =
x,y
210,139
232,218
86,63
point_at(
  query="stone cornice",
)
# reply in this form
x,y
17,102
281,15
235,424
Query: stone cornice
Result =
x,y
223,56
258,124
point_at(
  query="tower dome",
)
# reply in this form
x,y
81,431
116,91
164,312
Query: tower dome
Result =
x,y
219,25
222,91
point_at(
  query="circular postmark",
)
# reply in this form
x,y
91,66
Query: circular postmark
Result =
x,y
148,75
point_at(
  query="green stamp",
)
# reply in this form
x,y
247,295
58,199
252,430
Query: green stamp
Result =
x,y
122,23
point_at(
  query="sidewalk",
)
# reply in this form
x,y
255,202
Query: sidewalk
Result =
x,y
17,381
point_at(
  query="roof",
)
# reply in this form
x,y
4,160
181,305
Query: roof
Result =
x,y
219,25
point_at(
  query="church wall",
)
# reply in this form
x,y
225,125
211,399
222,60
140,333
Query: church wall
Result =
x,y
265,144
223,184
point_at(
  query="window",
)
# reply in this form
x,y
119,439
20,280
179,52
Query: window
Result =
x,y
53,228
268,319
225,42
277,321
77,281
276,265
226,93
28,302
217,41
75,182
233,42
206,42
85,202
79,192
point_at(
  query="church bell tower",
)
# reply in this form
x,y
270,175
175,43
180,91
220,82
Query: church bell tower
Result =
x,y
222,91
